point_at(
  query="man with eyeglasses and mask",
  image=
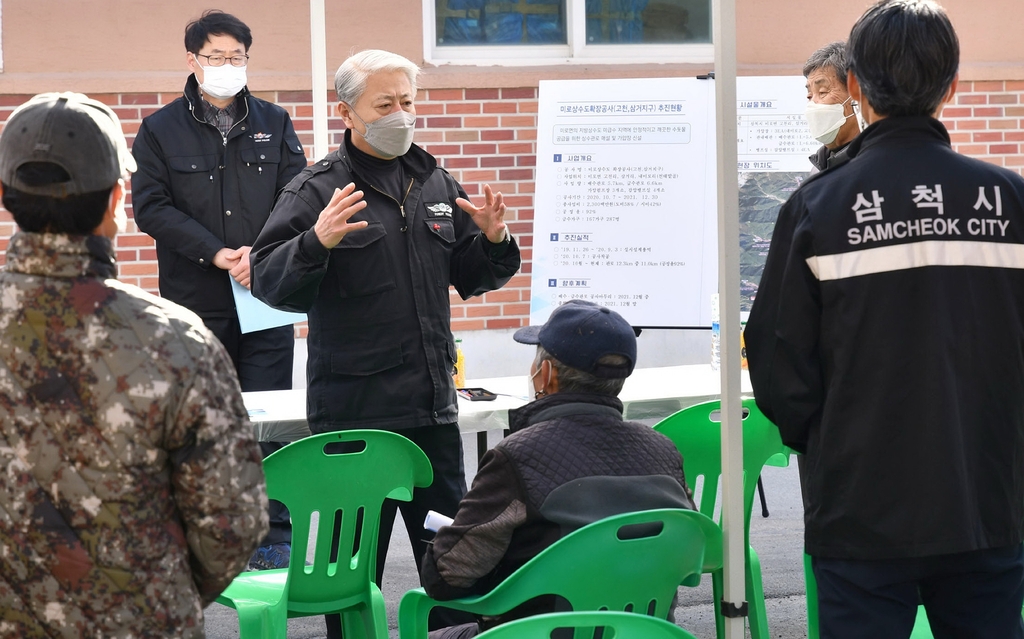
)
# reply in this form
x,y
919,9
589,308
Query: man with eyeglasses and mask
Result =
x,y
367,241
830,113
210,165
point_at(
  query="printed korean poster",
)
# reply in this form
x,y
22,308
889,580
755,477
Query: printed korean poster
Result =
x,y
625,202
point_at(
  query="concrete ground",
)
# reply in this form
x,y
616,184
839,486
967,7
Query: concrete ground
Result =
x,y
778,540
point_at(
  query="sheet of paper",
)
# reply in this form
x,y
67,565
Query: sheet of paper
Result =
x,y
254,315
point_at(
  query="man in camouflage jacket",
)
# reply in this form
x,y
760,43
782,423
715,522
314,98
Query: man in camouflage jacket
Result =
x,y
131,491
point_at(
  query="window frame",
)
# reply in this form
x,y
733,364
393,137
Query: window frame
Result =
x,y
576,51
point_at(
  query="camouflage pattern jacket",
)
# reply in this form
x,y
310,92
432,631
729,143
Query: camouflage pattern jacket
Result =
x,y
131,488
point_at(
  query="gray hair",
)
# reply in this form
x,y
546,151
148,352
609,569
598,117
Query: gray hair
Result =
x,y
573,380
350,80
831,56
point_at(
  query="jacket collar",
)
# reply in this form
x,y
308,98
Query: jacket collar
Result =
x,y
896,130
564,405
59,255
416,161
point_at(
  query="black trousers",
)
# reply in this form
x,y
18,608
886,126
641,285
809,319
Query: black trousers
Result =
x,y
263,361
974,594
443,446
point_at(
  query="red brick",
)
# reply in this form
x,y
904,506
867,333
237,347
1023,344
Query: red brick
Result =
x,y
302,111
137,268
1014,136
458,312
529,186
14,99
519,121
516,174
524,214
1003,149
515,148
1002,98
526,134
140,98
500,107
506,323
1017,160
468,325
483,311
525,93
987,86
479,149
126,113
126,256
497,160
459,163
526,160
502,295
482,94
518,200
110,99
429,109
956,112
506,188
461,135
139,239
444,123
462,107
973,98
479,176
295,96
971,124
1003,124
444,149
528,107
988,136
497,134
1013,85
444,95
973,149
302,125
1014,112
423,136
988,112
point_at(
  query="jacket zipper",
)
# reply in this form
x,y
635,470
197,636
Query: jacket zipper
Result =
x,y
223,136
401,205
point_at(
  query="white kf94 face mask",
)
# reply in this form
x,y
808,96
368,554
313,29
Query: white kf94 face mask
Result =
x,y
825,120
222,82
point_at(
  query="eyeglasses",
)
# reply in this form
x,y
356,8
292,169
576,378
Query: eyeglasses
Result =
x,y
218,60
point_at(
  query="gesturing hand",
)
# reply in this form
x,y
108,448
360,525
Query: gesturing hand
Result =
x,y
333,225
490,217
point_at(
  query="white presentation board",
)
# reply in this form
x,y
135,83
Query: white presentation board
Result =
x,y
626,211
622,202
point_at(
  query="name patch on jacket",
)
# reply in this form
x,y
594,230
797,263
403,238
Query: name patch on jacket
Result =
x,y
441,209
262,137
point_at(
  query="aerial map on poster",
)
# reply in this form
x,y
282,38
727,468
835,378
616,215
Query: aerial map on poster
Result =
x,y
625,206
773,146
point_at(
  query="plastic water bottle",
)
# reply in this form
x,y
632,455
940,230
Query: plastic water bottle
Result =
x,y
716,334
460,365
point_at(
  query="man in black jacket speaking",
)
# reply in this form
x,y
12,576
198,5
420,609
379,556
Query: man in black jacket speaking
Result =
x,y
367,242
887,344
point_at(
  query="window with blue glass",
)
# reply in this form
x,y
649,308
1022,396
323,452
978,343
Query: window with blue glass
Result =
x,y
545,22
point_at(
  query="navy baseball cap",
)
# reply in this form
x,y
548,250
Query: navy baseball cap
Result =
x,y
579,333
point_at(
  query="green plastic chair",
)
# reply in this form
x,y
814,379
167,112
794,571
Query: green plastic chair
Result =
x,y
341,478
593,569
615,625
697,433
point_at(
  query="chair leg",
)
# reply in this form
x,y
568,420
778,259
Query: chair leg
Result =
x,y
760,493
257,620
811,587
758,615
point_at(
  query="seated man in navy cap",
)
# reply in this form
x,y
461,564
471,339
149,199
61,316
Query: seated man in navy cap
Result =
x,y
570,461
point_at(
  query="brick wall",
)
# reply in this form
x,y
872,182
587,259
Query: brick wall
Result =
x,y
489,136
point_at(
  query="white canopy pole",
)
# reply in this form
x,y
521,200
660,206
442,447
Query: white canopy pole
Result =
x,y
318,45
729,301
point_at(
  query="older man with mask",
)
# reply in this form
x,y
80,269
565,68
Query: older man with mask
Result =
x,y
367,242
830,111
570,461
